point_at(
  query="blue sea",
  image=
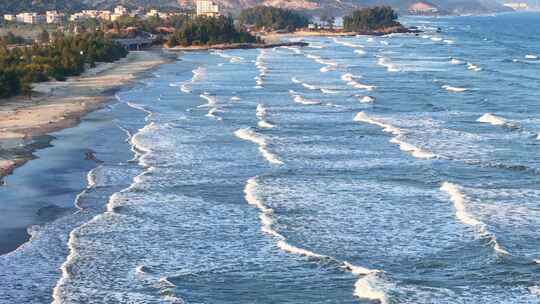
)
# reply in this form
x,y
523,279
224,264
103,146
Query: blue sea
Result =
x,y
395,169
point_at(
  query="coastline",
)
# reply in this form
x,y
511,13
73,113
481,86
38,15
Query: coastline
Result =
x,y
59,105
230,46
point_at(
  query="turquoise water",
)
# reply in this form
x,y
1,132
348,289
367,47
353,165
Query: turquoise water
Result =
x,y
399,169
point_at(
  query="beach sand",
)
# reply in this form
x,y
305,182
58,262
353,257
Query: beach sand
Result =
x,y
59,105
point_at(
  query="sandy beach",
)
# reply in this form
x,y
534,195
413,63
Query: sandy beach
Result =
x,y
58,105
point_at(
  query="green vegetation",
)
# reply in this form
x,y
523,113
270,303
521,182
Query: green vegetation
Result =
x,y
209,31
371,19
10,38
40,5
63,57
273,18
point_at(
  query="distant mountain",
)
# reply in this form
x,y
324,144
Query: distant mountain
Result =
x,y
233,6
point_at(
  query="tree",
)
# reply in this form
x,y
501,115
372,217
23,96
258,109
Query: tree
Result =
x,y
43,36
273,18
370,19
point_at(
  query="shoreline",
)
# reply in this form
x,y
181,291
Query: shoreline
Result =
x,y
231,46
60,105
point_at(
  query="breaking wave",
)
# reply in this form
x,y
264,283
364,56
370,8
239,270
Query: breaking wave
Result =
x,y
398,135
460,200
368,285
250,135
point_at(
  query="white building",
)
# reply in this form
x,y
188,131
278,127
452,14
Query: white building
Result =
x,y
517,5
54,17
120,10
207,8
10,17
30,18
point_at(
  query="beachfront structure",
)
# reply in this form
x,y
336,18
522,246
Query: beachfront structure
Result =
x,y
517,6
30,18
207,8
10,17
54,17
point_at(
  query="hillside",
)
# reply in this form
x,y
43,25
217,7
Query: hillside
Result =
x,y
234,6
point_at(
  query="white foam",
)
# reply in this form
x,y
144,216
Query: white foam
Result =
x,y
455,61
296,80
310,86
413,150
260,111
448,41
236,98
367,286
265,125
198,74
348,44
454,89
314,57
350,79
185,88
390,67
531,56
301,100
492,119
327,69
366,99
250,135
211,100
473,67
459,201
397,139
360,52
538,136
436,39
328,91
212,114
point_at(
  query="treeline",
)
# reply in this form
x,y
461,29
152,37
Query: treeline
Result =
x,y
371,19
273,18
64,56
209,31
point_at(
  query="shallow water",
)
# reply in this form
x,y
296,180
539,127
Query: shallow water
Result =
x,y
400,169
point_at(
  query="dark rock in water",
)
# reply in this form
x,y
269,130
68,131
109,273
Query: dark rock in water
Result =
x,y
91,155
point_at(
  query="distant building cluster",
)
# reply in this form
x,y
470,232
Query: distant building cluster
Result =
x,y
207,8
54,17
423,8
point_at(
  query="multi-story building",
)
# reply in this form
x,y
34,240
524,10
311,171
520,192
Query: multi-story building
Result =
x,y
30,18
54,17
207,8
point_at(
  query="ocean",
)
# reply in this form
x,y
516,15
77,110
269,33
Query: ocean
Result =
x,y
395,169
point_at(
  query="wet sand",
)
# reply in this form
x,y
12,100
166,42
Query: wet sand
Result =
x,y
59,105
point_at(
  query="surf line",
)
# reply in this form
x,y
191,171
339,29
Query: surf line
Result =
x,y
59,290
397,139
369,283
460,204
